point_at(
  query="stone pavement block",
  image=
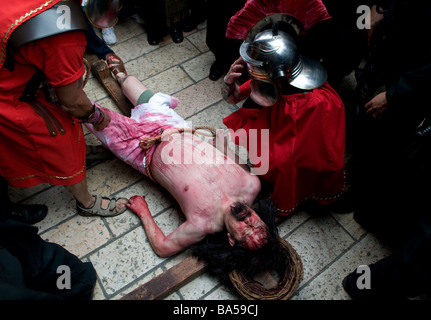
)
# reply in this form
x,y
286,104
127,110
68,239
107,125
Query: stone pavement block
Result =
x,y
328,284
124,260
318,241
331,246
79,235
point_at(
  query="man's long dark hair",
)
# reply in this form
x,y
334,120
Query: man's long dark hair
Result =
x,y
221,258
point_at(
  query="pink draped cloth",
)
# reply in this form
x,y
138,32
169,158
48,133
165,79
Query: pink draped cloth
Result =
x,y
123,134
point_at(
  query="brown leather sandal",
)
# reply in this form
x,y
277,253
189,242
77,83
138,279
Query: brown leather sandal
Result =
x,y
115,64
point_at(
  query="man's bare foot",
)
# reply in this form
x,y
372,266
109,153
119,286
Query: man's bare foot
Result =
x,y
121,76
116,66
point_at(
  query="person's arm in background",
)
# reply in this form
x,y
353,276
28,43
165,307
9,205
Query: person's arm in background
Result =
x,y
231,91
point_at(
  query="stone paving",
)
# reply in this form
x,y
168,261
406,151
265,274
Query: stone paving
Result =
x,y
331,246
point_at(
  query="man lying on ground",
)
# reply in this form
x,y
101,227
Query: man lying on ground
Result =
x,y
214,192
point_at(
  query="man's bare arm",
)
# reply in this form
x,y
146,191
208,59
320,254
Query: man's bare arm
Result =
x,y
164,246
75,101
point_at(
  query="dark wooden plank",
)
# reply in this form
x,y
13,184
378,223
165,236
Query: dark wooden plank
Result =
x,y
100,70
169,281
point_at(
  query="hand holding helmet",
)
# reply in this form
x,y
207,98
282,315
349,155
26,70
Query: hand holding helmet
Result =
x,y
235,71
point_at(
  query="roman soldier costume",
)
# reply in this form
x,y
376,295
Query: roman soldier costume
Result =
x,y
42,41
306,125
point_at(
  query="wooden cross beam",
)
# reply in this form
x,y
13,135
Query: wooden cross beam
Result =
x,y
169,281
101,71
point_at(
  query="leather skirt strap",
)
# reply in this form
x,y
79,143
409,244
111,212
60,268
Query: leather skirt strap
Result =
x,y
52,123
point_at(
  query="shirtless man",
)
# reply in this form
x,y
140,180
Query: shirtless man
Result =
x,y
214,193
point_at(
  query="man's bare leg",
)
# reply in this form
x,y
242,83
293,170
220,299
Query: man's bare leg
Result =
x,y
132,87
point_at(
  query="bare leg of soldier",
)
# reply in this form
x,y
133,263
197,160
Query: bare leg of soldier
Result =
x,y
87,200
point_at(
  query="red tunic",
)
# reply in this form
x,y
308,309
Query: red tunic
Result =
x,y
305,146
29,154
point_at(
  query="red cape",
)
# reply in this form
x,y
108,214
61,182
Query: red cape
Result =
x,y
303,156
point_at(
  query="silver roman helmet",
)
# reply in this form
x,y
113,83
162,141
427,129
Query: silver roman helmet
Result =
x,y
103,13
271,53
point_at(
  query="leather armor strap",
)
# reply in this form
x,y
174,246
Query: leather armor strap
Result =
x,y
52,123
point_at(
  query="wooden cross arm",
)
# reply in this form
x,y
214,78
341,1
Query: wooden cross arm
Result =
x,y
169,281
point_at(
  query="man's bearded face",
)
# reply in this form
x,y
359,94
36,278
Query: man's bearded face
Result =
x,y
250,231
